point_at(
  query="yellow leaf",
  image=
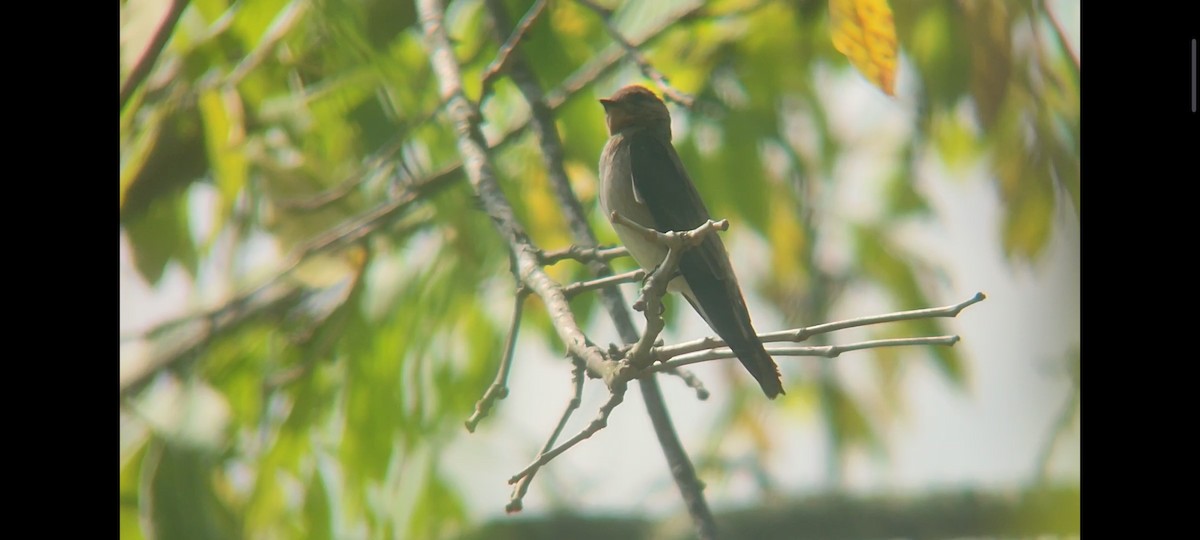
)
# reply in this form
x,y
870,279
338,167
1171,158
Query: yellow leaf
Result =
x,y
863,31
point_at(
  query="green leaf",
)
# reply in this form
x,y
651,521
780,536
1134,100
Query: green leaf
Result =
x,y
990,47
936,41
161,235
184,504
318,518
903,200
131,497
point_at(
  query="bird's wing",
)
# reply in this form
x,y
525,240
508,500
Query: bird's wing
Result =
x,y
666,190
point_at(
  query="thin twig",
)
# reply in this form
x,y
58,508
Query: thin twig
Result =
x,y
583,254
825,351
609,57
598,423
632,276
472,146
288,16
514,504
542,119
499,388
803,333
690,379
497,66
650,299
669,92
145,64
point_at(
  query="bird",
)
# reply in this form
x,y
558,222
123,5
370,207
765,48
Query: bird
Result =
x,y
643,179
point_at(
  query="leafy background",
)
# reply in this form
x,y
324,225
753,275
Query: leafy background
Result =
x,y
285,376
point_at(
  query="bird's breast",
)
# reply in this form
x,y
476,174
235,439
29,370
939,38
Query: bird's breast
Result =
x,y
618,194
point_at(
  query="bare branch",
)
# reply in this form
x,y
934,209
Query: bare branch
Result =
x,y
583,254
541,107
948,311
650,300
595,425
499,388
689,379
826,351
514,504
472,146
803,333
600,283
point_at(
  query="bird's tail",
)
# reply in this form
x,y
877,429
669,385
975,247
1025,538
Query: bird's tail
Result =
x,y
740,337
754,357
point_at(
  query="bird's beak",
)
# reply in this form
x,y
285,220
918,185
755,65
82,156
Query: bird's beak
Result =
x,y
607,103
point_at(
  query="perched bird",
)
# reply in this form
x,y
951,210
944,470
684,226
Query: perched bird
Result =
x,y
642,178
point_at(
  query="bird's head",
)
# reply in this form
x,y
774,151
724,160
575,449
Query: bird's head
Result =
x,y
635,106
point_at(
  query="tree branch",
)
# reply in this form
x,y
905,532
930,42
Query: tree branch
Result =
x,y
650,300
499,388
583,254
497,66
541,107
595,425
381,215
473,148
145,64
600,283
668,352
690,379
669,92
514,503
826,351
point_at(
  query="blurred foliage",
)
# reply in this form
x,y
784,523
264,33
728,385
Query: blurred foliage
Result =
x,y
312,129
1044,512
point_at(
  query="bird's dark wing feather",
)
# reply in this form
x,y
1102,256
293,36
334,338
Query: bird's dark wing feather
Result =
x,y
664,186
